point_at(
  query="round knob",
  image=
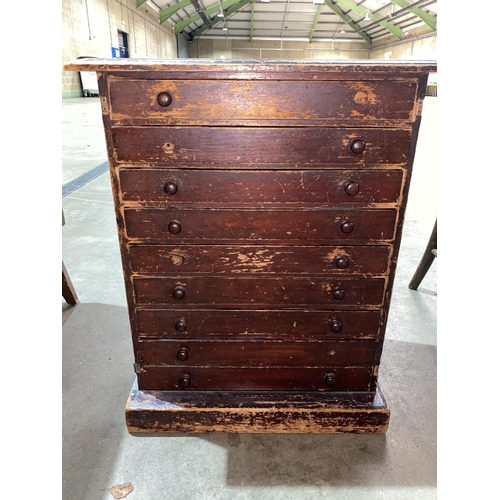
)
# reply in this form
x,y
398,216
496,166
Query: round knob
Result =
x,y
351,188
171,187
185,381
338,292
182,354
181,325
164,99
357,146
175,227
179,292
330,379
346,226
341,261
336,326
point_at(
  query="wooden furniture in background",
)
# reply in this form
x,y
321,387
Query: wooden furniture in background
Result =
x,y
430,253
260,208
68,290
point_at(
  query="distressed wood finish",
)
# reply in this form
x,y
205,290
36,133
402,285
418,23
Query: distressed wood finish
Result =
x,y
317,324
196,102
260,208
310,188
257,352
268,378
259,146
248,259
262,291
258,226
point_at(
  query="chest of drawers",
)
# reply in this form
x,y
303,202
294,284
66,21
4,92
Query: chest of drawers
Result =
x,y
259,209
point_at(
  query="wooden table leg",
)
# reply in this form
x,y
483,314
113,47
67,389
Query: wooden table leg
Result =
x,y
426,261
68,291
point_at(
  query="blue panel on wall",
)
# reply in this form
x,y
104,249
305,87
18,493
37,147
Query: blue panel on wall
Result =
x,y
115,52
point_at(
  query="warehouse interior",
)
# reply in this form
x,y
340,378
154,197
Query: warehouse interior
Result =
x,y
97,354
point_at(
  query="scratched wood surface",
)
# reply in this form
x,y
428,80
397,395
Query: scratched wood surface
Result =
x,y
260,208
257,352
259,291
268,378
258,147
310,188
247,259
259,226
200,102
226,324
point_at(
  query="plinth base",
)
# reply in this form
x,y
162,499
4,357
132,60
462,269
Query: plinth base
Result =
x,y
278,412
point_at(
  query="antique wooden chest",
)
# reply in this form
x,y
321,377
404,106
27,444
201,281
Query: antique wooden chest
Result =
x,y
260,208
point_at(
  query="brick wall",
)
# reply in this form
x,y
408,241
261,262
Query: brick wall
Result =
x,y
90,28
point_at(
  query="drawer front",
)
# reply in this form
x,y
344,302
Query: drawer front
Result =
x,y
252,379
184,147
239,188
256,226
256,353
204,102
319,324
262,291
249,259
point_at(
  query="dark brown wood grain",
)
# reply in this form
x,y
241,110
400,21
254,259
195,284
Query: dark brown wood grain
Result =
x,y
241,188
248,259
305,147
279,291
257,352
201,102
300,324
281,378
259,226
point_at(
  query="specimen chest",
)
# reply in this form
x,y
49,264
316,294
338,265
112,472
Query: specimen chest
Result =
x,y
259,208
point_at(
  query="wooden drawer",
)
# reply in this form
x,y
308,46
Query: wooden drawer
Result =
x,y
249,259
300,324
260,291
257,352
283,148
258,226
239,188
205,102
222,378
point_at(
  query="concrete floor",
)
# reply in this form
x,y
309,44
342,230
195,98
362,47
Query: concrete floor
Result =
x,y
97,370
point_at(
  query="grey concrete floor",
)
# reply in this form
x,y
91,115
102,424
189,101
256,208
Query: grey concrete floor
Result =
x,y
97,370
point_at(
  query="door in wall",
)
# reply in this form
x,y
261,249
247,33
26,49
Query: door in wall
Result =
x,y
123,43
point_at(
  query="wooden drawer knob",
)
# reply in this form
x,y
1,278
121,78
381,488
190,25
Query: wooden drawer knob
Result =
x,y
357,146
182,354
185,381
179,292
330,379
171,188
175,227
338,292
341,261
346,226
164,99
181,325
351,188
336,326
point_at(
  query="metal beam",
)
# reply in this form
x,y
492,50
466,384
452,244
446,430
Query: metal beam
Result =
x,y
251,22
212,10
141,2
216,20
201,12
168,12
315,22
348,21
397,32
427,18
